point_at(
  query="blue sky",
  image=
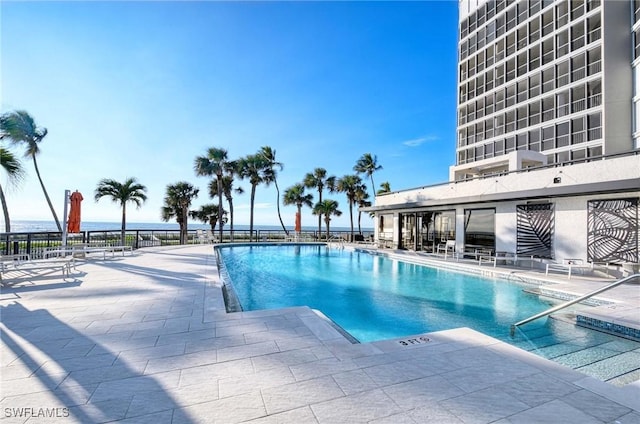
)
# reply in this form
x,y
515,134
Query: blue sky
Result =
x,y
139,89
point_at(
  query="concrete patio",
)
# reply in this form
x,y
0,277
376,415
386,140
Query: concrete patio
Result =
x,y
146,339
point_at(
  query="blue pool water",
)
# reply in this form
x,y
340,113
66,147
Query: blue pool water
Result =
x,y
373,297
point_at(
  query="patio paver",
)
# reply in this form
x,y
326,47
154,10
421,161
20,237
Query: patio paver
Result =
x,y
145,338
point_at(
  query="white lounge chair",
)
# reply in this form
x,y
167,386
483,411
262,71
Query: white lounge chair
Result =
x,y
24,264
568,265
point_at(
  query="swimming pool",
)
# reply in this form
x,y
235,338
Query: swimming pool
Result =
x,y
373,297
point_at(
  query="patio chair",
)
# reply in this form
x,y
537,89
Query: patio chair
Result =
x,y
568,265
448,248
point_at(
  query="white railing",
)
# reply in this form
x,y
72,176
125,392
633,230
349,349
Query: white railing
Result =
x,y
595,133
578,105
562,80
595,67
578,137
595,100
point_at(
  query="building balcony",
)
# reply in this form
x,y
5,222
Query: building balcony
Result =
x,y
595,134
516,160
595,100
578,105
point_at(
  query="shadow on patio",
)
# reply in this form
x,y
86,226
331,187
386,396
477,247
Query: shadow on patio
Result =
x,y
51,368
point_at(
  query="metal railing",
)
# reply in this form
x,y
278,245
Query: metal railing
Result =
x,y
571,302
36,243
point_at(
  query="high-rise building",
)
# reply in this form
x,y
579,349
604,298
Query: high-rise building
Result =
x,y
636,72
541,82
548,137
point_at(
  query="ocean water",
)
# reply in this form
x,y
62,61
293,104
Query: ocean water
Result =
x,y
41,226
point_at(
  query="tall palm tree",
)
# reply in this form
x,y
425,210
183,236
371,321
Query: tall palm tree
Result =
x,y
349,185
362,199
15,172
20,128
368,164
208,214
122,193
176,205
270,156
385,187
294,195
256,169
214,163
327,208
318,179
227,190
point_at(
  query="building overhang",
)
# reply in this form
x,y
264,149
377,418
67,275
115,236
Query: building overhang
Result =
x,y
606,187
513,161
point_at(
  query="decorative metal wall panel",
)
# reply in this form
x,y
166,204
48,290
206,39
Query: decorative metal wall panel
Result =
x,y
535,225
613,230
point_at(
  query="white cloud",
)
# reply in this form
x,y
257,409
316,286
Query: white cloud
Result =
x,y
419,141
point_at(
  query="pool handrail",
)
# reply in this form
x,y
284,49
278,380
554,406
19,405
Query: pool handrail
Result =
x,y
571,302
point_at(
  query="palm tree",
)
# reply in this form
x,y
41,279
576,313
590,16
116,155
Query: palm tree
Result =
x,y
294,195
256,169
349,185
176,204
20,128
318,179
227,190
327,208
368,164
208,214
15,172
362,199
129,191
214,163
269,155
385,187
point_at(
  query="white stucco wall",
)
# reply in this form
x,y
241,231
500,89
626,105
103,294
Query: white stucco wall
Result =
x,y
626,167
570,212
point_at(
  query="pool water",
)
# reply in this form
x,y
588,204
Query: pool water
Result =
x,y
374,298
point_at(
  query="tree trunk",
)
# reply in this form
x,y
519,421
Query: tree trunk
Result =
x,y
359,219
183,225
253,198
351,218
231,216
327,220
220,221
319,215
278,205
123,228
5,211
44,190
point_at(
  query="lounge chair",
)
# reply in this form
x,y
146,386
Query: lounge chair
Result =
x,y
24,264
568,265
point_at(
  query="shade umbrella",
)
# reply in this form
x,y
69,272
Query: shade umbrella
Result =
x,y
73,224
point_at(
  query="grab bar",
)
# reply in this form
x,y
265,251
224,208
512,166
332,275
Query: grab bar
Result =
x,y
571,302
